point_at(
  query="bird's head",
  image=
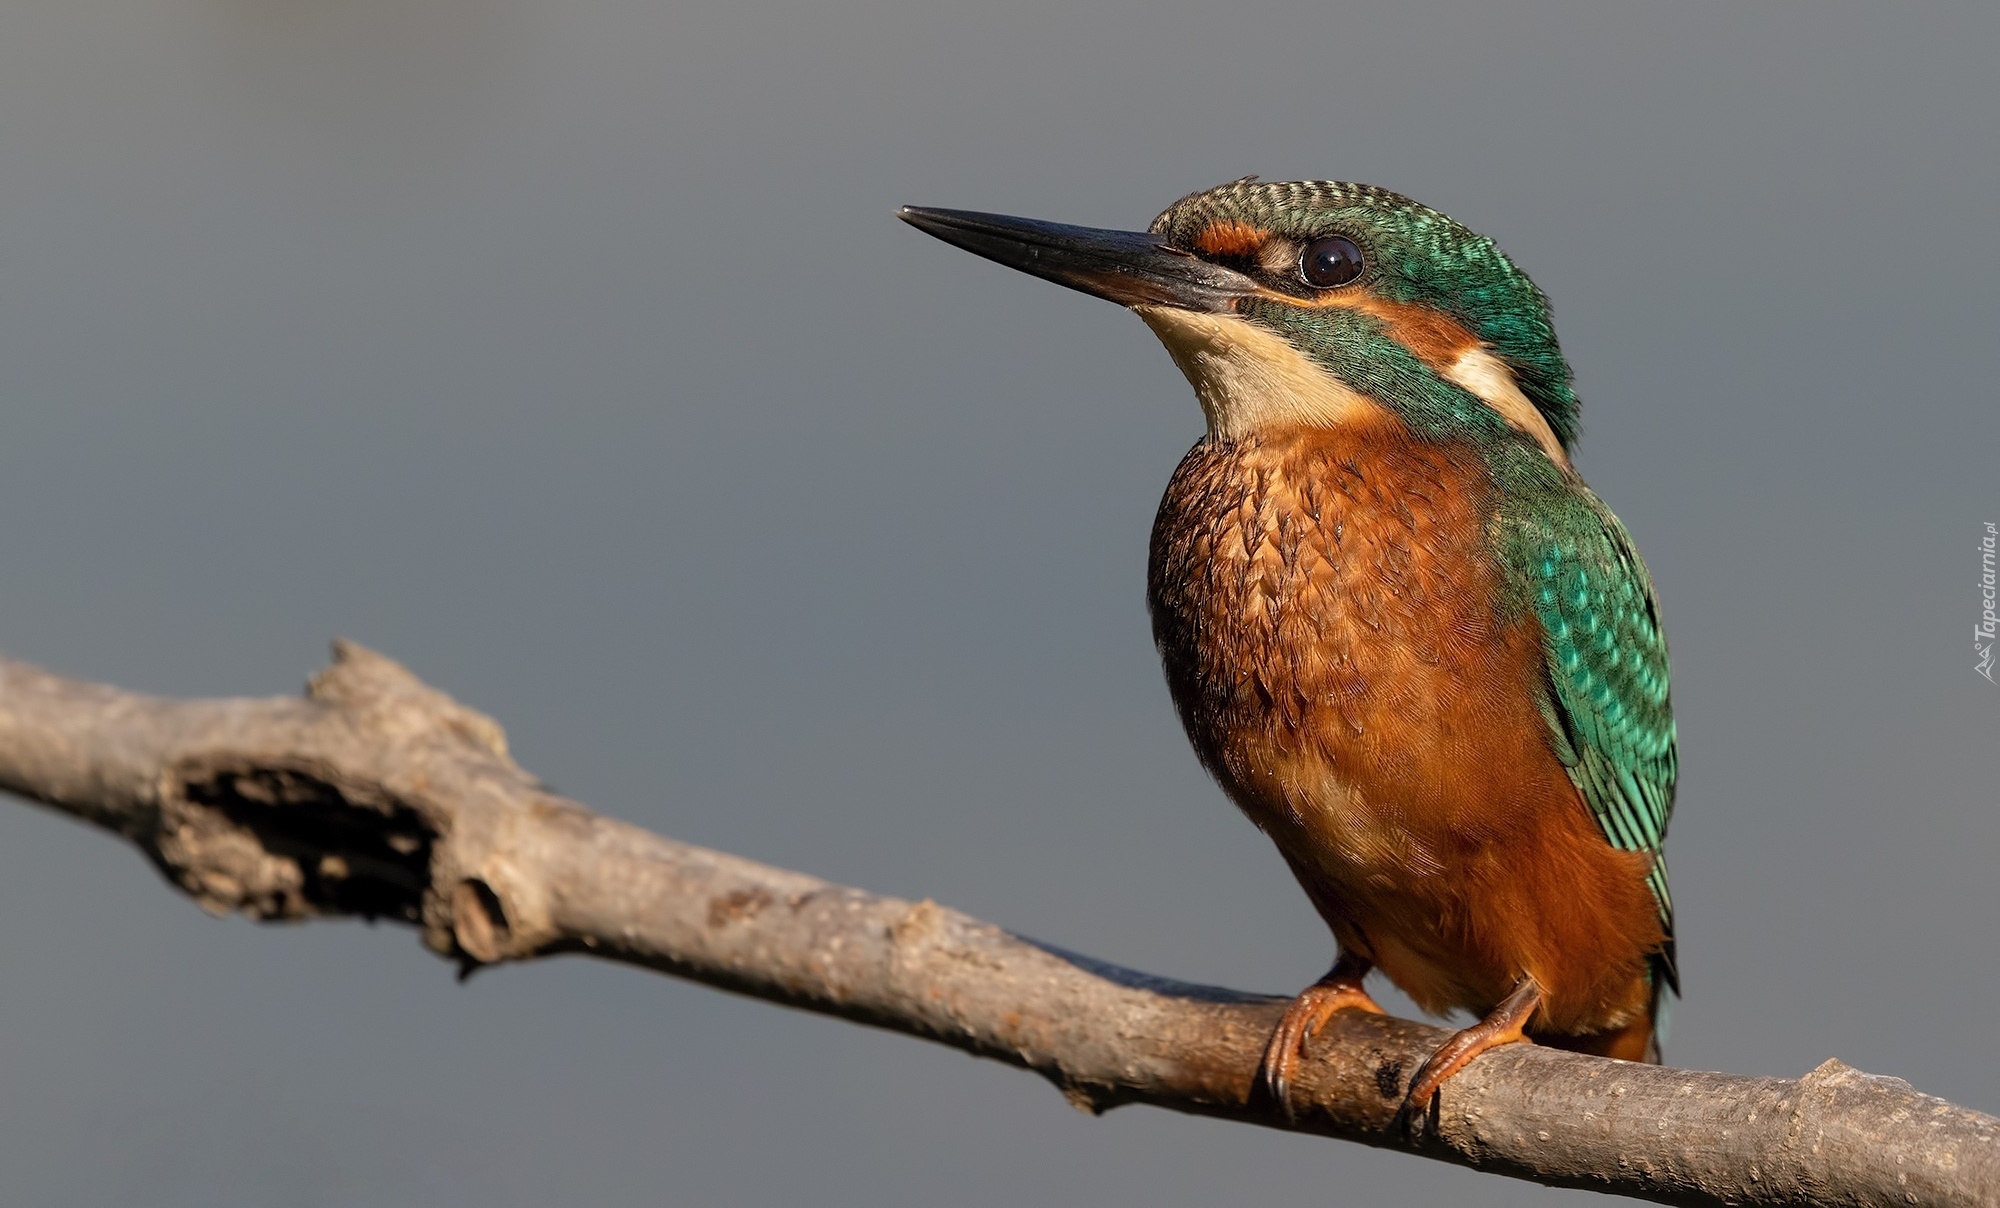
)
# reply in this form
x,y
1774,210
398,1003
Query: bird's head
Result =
x,y
1315,303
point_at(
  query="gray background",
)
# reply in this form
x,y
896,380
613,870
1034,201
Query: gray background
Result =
x,y
571,353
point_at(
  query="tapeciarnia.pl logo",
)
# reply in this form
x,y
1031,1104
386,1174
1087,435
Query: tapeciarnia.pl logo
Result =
x,y
1982,634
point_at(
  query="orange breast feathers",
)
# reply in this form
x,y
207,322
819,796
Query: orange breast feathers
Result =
x,y
1326,604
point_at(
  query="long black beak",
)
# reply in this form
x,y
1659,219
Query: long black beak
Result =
x,y
1131,268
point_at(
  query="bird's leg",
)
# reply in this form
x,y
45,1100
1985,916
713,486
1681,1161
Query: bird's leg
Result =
x,y
1502,1025
1339,990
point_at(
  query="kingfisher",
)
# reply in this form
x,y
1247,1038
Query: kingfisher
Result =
x,y
1401,633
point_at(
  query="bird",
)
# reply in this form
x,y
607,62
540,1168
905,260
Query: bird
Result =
x,y
1400,631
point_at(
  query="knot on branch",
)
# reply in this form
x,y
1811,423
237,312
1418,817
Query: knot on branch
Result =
x,y
341,816
382,798
479,924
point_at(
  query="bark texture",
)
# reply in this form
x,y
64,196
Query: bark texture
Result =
x,y
375,795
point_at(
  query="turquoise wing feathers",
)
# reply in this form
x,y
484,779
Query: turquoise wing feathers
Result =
x,y
1610,713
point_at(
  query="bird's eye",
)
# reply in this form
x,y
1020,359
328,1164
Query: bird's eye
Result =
x,y
1334,260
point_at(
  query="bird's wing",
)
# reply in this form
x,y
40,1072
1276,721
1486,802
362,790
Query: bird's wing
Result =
x,y
1609,712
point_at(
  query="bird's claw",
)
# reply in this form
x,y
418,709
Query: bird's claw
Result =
x,y
1501,1026
1339,990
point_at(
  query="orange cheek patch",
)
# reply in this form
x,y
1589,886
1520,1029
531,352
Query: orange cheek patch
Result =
x,y
1230,238
1436,338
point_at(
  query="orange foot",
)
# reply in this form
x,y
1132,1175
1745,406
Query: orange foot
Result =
x,y
1501,1026
1339,990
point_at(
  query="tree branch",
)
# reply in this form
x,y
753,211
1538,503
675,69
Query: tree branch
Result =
x,y
378,796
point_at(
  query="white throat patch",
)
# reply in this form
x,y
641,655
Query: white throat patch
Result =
x,y
1247,378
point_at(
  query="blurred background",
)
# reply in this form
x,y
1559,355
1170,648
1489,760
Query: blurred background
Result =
x,y
572,354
